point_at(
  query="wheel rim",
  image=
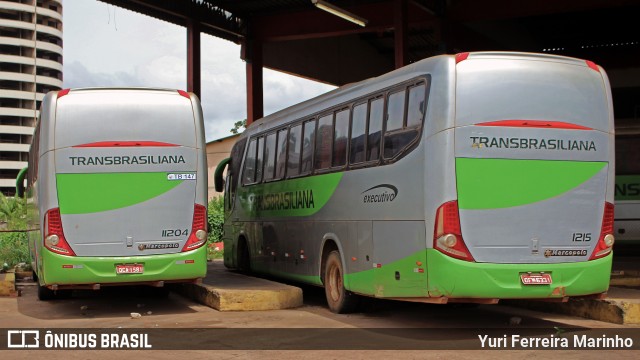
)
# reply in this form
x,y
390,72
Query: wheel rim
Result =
x,y
335,283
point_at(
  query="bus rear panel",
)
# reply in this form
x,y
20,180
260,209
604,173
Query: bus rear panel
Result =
x,y
534,174
121,188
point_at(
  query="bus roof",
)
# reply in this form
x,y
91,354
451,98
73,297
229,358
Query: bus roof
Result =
x,y
349,92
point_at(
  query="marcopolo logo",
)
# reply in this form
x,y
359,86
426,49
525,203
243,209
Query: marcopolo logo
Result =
x,y
565,252
380,194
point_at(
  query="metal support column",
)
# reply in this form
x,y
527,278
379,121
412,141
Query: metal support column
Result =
x,y
193,58
253,58
400,21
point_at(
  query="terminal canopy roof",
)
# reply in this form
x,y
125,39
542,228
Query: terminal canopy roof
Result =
x,y
297,37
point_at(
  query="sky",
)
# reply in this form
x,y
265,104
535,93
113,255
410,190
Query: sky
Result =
x,y
106,45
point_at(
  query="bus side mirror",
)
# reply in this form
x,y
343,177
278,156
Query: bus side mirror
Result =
x,y
20,182
218,181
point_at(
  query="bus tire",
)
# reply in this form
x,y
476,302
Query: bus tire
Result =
x,y
339,299
243,258
44,293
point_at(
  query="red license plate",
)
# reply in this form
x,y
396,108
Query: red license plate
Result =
x,y
130,269
535,279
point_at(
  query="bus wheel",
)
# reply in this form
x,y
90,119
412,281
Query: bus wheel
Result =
x,y
45,293
339,299
244,259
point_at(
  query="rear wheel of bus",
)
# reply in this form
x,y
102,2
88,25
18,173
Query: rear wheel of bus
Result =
x,y
243,257
339,299
44,293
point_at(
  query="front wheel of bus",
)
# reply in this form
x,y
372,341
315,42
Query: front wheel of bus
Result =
x,y
339,299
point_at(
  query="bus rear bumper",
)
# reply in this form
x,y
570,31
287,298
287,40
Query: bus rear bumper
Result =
x,y
60,271
452,278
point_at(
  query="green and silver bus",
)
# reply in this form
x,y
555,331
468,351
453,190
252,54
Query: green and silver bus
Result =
x,y
467,178
116,188
627,195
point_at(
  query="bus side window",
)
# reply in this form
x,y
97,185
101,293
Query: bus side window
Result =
x,y
308,143
403,123
282,154
358,129
270,156
395,111
376,109
232,172
293,159
416,106
260,160
341,133
324,141
234,167
250,164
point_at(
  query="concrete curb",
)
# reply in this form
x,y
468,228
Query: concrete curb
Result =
x,y
622,306
225,290
242,300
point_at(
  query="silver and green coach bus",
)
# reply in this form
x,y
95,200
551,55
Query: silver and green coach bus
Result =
x,y
116,187
467,178
627,195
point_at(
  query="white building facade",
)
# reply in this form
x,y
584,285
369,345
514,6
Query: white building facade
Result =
x,y
30,66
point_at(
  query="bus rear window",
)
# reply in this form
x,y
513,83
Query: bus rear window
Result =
x,y
497,89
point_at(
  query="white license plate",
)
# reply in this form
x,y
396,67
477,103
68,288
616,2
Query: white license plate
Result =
x,y
181,176
130,269
535,279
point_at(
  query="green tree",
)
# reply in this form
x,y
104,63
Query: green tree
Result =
x,y
239,126
13,245
215,217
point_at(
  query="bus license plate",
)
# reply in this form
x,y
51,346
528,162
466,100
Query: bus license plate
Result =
x,y
130,269
535,279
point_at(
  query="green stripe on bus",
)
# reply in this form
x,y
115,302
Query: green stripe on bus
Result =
x,y
502,183
90,193
294,197
627,187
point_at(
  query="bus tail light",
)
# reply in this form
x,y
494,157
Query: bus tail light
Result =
x,y
54,239
461,57
198,230
63,92
606,240
447,233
